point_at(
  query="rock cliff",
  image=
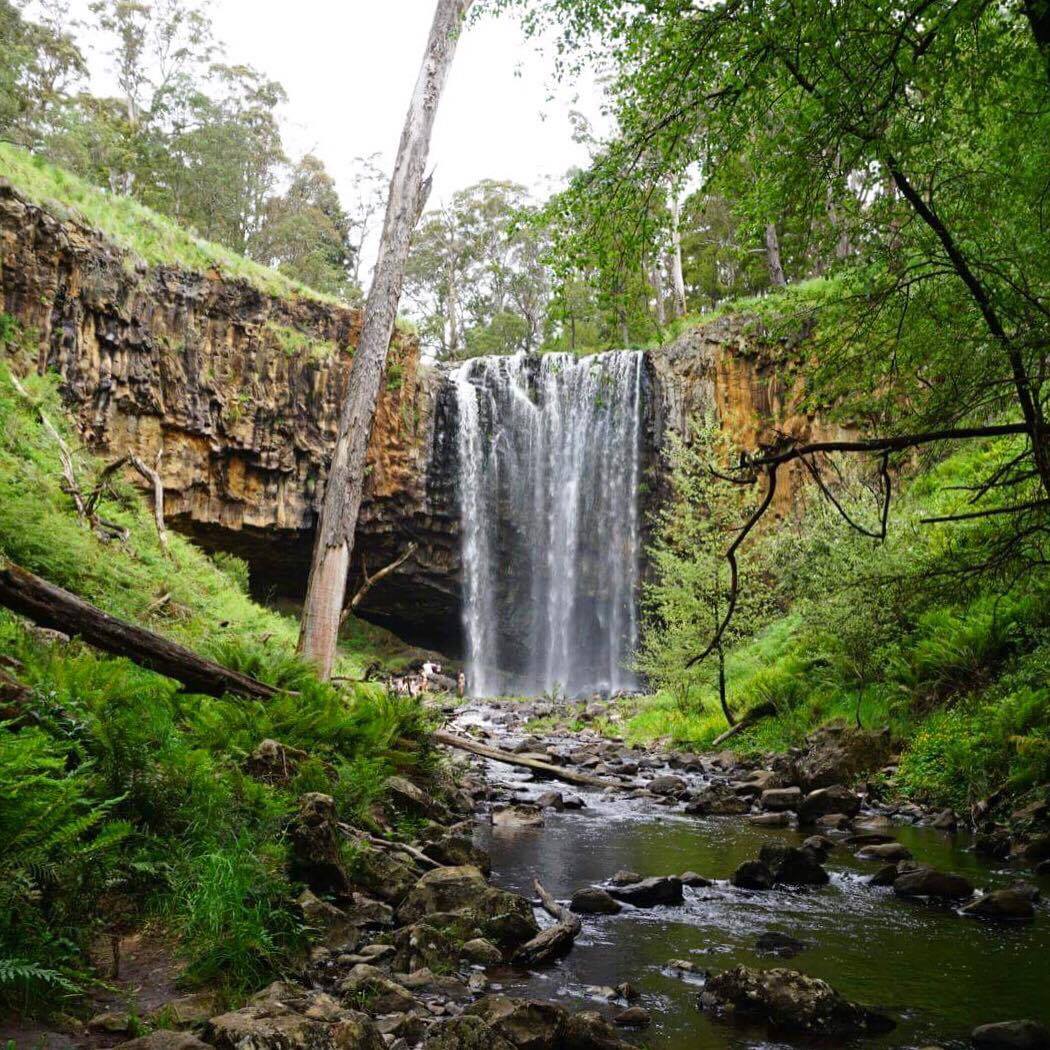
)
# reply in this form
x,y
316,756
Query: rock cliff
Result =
x,y
236,394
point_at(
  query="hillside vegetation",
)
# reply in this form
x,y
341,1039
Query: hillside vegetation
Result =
x,y
123,800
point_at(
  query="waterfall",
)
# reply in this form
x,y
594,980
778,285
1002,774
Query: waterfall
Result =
x,y
549,451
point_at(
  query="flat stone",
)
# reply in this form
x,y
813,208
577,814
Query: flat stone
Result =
x,y
1011,1035
889,852
779,799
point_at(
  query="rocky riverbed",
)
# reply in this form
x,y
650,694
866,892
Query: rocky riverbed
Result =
x,y
681,901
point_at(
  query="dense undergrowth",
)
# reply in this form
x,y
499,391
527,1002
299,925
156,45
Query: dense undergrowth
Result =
x,y
908,633
123,800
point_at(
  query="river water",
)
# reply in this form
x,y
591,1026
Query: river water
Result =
x,y
936,973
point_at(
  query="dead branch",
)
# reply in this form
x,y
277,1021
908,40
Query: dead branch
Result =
x,y
771,462
555,941
1015,508
498,755
152,475
371,581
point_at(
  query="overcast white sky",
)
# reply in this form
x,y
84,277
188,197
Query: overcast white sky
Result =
x,y
349,67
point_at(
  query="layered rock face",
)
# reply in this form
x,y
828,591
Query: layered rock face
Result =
x,y
238,393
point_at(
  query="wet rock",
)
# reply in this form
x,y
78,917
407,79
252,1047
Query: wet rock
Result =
x,y
782,944
457,850
574,802
525,1023
1038,849
874,823
316,849
274,763
819,845
650,892
164,1040
286,1017
794,866
1001,906
1034,811
786,999
828,800
928,882
522,815
683,965
465,1033
1027,890
889,852
625,878
752,875
834,822
770,820
885,876
946,820
1011,1035
694,881
868,838
367,988
716,800
588,1030
779,799
667,785
626,990
592,900
484,953
633,1017
113,1021
551,800
994,843
837,755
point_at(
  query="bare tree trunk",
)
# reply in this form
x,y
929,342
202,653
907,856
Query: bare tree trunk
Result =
x,y
656,279
677,276
326,589
776,270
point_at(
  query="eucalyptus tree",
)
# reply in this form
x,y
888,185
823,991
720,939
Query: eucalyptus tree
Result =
x,y
926,125
326,588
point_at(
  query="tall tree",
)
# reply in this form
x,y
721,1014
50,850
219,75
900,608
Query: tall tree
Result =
x,y
326,588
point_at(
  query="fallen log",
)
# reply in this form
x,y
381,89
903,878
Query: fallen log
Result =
x,y
756,714
49,606
553,942
570,776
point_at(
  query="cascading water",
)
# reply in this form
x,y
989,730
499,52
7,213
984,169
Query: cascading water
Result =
x,y
549,450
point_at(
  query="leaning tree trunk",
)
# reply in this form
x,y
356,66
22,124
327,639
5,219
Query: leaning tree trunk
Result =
x,y
677,274
776,269
335,528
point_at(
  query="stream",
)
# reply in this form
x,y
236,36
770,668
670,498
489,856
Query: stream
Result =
x,y
937,973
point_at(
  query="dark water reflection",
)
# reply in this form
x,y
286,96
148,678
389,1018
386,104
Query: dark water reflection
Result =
x,y
936,972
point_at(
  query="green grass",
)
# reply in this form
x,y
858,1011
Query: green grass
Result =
x,y
136,228
123,800
955,665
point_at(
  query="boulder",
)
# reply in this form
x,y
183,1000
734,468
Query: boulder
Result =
x,y
837,755
993,842
522,815
625,878
888,852
782,944
384,875
592,900
551,800
770,820
794,866
457,850
887,875
667,785
287,1017
165,1040
834,822
274,763
410,798
828,800
367,988
527,1024
465,1032
650,892
478,950
928,882
780,799
752,875
588,1030
717,800
788,1000
1002,906
420,944
315,855
1038,849
1011,1035
946,820
633,1017
819,845
695,881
